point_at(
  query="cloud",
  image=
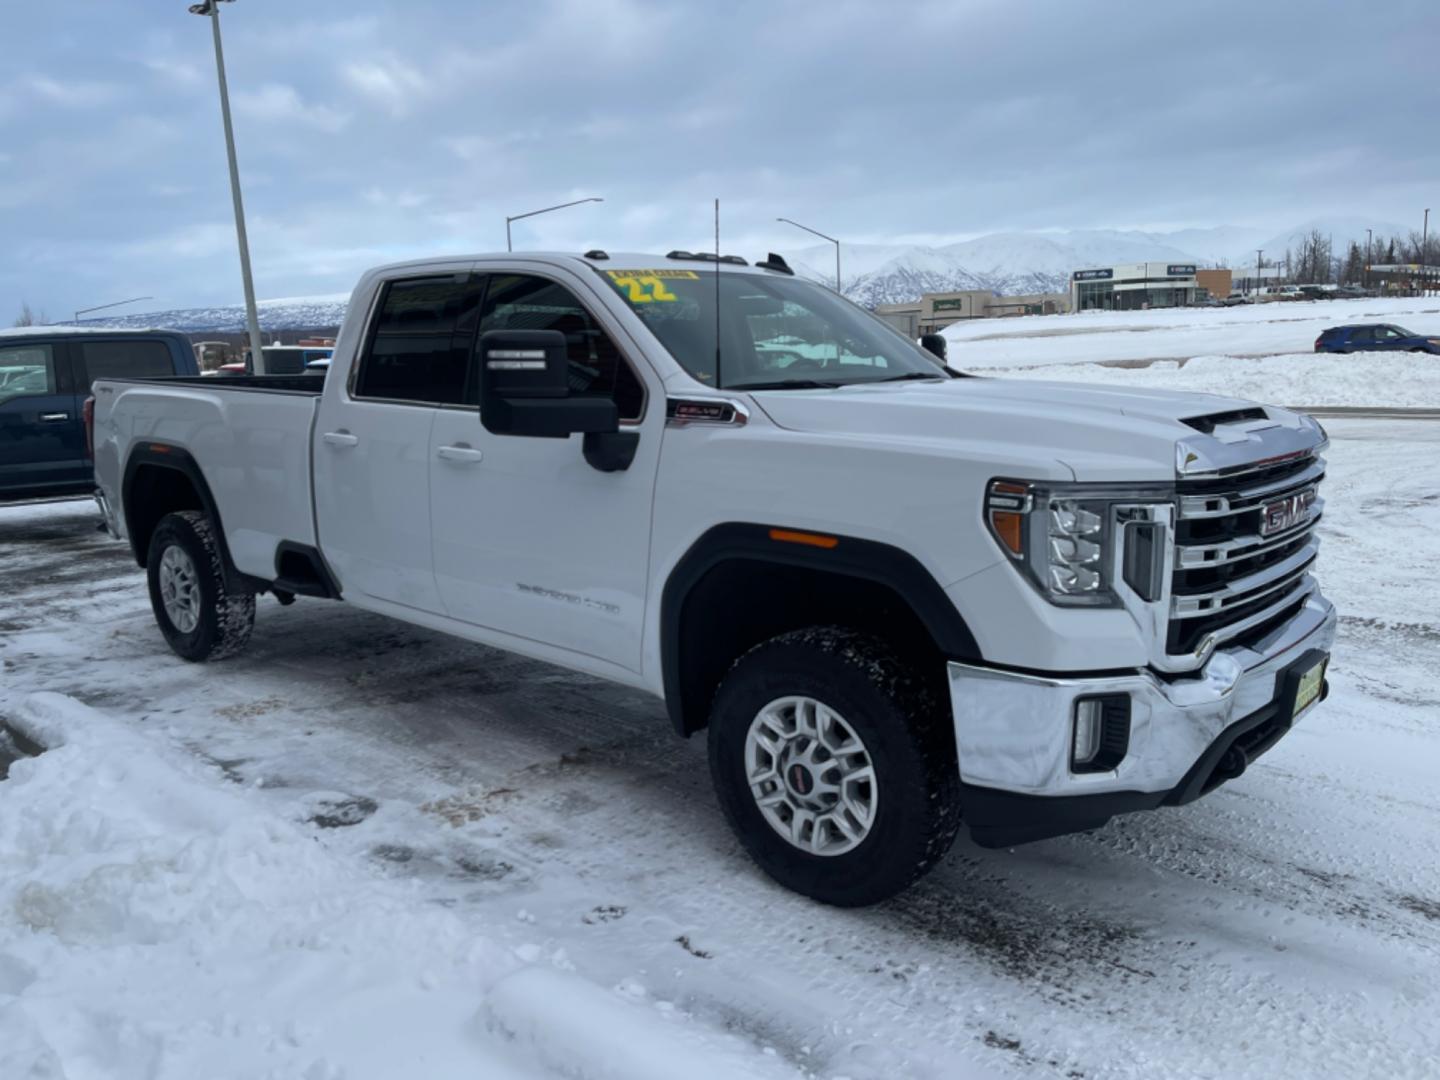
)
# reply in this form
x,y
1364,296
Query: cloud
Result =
x,y
281,103
390,82
71,94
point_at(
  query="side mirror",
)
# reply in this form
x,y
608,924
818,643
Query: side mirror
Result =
x,y
934,343
525,390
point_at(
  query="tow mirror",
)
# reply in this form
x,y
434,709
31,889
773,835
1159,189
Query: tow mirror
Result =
x,y
933,343
525,390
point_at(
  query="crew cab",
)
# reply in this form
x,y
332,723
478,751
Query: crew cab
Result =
x,y
895,597
45,377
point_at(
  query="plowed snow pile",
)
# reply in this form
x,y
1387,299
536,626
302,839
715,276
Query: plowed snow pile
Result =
x,y
156,922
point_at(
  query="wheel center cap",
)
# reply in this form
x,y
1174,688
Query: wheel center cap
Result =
x,y
800,779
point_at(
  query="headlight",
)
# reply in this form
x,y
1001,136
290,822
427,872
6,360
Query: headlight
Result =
x,y
1065,536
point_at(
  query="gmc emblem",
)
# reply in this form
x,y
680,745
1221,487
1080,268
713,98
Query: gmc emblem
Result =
x,y
1286,513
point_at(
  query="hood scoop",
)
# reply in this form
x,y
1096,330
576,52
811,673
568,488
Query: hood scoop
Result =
x,y
1207,424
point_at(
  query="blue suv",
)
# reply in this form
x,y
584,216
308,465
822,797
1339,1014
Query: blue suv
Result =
x,y
1374,337
45,377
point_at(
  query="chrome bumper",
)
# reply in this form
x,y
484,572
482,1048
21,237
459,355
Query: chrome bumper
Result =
x,y
1013,731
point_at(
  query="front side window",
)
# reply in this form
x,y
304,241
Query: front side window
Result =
x,y
523,302
773,332
26,371
413,354
137,359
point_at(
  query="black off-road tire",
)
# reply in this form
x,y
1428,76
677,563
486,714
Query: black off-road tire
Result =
x,y
906,730
227,608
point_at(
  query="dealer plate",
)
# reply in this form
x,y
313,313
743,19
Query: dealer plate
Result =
x,y
1308,689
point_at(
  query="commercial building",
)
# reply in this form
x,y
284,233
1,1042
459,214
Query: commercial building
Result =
x,y
1216,284
935,311
1133,286
1404,279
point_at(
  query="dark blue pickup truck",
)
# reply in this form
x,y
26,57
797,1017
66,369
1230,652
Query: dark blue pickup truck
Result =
x,y
45,377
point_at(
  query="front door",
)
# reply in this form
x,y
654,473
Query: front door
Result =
x,y
372,442
529,540
42,439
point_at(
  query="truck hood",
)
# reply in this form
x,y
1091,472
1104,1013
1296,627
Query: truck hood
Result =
x,y
1097,432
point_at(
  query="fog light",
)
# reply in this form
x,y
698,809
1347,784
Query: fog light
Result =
x,y
1102,733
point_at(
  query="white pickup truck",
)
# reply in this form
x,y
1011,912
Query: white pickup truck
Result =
x,y
897,597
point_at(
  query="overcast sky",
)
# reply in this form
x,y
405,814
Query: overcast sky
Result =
x,y
371,130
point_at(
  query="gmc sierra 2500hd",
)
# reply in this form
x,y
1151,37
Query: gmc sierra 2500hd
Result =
x,y
897,597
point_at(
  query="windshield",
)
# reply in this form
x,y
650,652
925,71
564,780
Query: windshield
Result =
x,y
775,333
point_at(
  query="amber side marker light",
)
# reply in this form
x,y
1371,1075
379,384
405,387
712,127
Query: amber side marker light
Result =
x,y
1007,504
789,536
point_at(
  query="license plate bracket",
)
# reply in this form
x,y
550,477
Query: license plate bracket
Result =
x,y
1304,683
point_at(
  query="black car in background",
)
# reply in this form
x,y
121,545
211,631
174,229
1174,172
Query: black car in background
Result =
x,y
45,377
1374,337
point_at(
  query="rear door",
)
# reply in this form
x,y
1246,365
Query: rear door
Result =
x,y
42,441
372,441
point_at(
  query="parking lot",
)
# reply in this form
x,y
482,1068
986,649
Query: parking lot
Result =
x,y
1288,925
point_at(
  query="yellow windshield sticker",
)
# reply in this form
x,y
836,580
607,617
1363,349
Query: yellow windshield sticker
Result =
x,y
648,286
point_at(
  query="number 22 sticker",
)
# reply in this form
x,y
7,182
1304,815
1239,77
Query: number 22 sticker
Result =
x,y
643,288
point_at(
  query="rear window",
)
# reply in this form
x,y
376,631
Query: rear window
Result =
x,y
412,354
136,359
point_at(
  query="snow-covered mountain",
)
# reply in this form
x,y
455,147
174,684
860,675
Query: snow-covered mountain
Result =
x,y
1012,263
292,313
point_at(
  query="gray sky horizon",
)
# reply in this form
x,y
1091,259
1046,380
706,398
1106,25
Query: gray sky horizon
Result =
x,y
377,130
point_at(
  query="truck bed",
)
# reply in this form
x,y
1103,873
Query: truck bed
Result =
x,y
290,384
248,437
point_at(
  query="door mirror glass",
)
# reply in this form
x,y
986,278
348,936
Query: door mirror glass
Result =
x,y
934,343
525,390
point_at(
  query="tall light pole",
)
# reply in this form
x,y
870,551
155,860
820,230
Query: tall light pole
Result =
x,y
1369,245
546,210
252,318
1259,262
102,307
1424,247
822,236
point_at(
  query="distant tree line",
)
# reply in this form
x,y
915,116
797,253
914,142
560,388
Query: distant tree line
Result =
x,y
27,317
1314,261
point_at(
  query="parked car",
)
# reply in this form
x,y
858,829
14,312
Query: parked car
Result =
x,y
45,377
1374,337
896,597
1236,299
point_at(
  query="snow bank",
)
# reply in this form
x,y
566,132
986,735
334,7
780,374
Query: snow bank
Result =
x,y
1304,379
1174,333
157,922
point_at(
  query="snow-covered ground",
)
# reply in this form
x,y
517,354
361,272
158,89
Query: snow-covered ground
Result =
x,y
365,850
1263,351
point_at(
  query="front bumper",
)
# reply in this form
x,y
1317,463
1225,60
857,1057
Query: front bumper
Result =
x,y
1013,732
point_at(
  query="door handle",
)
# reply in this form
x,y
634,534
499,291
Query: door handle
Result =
x,y
340,438
53,417
467,455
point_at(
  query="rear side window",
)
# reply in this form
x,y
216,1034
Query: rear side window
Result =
x,y
138,359
1362,335
522,302
26,371
412,355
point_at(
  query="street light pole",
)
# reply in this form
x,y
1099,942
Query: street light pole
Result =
x,y
1424,247
546,210
822,236
252,318
102,307
1259,262
1369,244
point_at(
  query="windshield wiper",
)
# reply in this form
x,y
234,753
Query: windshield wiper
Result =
x,y
912,375
786,384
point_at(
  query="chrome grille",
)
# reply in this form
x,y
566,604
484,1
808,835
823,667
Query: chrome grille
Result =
x,y
1229,574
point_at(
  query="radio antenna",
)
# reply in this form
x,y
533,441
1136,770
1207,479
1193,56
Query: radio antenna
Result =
x,y
718,383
